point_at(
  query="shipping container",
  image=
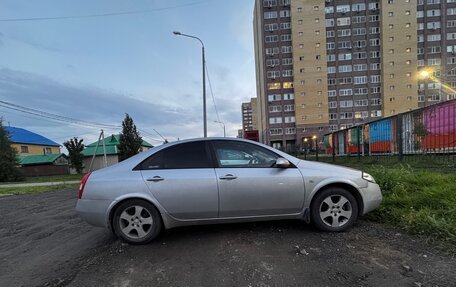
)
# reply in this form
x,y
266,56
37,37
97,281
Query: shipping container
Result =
x,y
440,125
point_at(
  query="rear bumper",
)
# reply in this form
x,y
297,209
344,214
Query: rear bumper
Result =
x,y
372,197
95,212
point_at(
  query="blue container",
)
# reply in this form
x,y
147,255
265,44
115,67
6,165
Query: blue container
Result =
x,y
380,131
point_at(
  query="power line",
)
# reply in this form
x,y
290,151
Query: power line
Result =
x,y
212,94
102,14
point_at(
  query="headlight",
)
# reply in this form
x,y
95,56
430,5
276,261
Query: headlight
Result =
x,y
368,177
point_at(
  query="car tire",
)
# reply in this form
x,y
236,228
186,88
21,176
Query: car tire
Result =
x,y
334,210
136,221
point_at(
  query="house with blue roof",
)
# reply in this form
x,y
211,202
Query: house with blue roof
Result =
x,y
30,143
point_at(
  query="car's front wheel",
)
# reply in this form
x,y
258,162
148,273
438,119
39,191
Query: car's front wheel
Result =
x,y
334,209
136,221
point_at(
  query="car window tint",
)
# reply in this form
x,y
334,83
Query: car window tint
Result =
x,y
241,154
185,155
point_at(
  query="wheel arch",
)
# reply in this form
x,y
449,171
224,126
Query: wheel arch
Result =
x,y
348,187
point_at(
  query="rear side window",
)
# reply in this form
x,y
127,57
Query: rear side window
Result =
x,y
185,155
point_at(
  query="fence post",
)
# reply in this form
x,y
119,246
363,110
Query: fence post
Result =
x,y
333,146
358,135
399,137
316,149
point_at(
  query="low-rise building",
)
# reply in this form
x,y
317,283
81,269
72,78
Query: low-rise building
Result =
x,y
30,143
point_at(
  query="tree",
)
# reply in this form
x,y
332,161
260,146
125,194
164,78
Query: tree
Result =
x,y
75,147
9,167
130,140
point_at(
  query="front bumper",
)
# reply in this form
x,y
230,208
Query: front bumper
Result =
x,y
372,197
95,212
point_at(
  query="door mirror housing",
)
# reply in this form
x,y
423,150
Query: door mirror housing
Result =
x,y
282,163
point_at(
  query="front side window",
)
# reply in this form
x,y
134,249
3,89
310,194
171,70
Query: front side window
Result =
x,y
185,155
240,154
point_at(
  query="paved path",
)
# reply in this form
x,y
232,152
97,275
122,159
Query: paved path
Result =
x,y
39,183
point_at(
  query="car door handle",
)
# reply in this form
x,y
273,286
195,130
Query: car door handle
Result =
x,y
228,177
155,178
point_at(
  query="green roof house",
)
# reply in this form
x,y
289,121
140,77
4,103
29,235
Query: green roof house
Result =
x,y
44,164
112,152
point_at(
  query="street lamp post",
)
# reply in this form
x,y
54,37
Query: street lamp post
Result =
x,y
204,77
224,133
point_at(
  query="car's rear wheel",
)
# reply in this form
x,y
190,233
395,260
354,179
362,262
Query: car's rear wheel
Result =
x,y
136,221
334,209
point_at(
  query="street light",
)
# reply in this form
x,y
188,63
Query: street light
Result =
x,y
224,134
204,77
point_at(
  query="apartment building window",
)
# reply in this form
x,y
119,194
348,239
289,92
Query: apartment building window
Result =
x,y
420,63
344,45
375,54
420,38
346,115
345,92
274,97
285,37
435,1
275,132
332,105
287,61
290,131
420,98
375,79
285,25
299,9
273,74
451,36
331,57
275,109
346,80
330,46
345,56
434,50
359,55
274,86
332,93
285,13
302,82
275,120
287,73
346,104
359,43
343,33
374,18
359,67
358,19
420,51
420,26
435,37
317,32
301,58
272,62
374,42
345,68
290,119
434,62
331,82
433,25
375,90
331,70
342,8
451,11
271,38
376,102
391,26
333,116
390,14
359,7
284,2
360,80
451,23
329,9
343,21
434,98
407,12
374,30
360,91
330,34
271,27
374,6
329,22
434,12
316,8
270,14
419,14
289,108
359,31
269,3
289,96
286,49
407,25
272,51
408,50
376,114
361,115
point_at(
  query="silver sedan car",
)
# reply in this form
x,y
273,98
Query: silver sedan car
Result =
x,y
217,180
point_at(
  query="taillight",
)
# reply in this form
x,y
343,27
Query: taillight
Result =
x,y
83,183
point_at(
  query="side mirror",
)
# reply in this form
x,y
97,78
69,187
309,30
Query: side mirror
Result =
x,y
282,163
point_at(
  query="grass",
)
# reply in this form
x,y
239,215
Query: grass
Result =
x,y
33,189
38,179
417,199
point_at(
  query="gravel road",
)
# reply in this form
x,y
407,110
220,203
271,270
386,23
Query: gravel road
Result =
x,y
44,243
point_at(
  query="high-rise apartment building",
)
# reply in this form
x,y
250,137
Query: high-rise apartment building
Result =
x,y
325,65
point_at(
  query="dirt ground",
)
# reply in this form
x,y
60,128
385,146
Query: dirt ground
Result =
x,y
44,243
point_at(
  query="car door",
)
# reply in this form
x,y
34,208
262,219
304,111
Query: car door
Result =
x,y
250,185
182,179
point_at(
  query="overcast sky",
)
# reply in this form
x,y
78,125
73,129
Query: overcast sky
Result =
x,y
98,69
